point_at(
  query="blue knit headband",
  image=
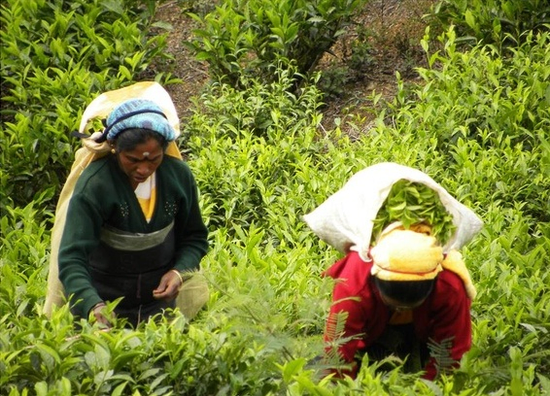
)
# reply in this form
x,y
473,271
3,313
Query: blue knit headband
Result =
x,y
141,114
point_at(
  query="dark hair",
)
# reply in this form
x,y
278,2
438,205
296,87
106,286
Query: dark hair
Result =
x,y
130,138
407,292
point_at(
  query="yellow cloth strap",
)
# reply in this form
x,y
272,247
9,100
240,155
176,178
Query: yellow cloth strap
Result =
x,y
454,263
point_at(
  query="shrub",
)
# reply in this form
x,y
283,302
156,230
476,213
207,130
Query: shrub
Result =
x,y
248,38
248,147
56,55
24,255
262,158
499,23
483,108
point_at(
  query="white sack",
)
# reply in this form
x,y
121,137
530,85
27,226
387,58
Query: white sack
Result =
x,y
346,218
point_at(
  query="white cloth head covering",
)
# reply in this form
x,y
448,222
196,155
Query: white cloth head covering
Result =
x,y
406,255
138,113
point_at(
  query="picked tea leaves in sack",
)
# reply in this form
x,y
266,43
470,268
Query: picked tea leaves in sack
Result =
x,y
353,216
413,203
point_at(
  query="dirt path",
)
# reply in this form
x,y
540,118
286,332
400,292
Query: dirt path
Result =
x,y
394,27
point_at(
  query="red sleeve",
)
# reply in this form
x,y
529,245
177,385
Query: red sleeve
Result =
x,y
449,334
348,315
351,310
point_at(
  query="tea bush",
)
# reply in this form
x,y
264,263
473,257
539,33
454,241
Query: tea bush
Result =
x,y
24,253
245,39
262,159
56,54
485,109
499,23
248,146
501,179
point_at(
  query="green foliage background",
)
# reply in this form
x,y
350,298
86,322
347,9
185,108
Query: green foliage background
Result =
x,y
478,124
240,38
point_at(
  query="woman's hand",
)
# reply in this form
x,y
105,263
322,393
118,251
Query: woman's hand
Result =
x,y
169,286
100,315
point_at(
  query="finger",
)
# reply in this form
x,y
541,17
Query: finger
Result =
x,y
159,290
170,293
166,294
164,282
162,286
168,280
101,319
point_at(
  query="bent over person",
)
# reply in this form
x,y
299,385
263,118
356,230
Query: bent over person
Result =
x,y
402,288
133,227
407,299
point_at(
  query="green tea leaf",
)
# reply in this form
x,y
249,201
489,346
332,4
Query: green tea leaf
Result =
x,y
412,203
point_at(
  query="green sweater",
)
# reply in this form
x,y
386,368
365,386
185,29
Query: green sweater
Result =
x,y
103,197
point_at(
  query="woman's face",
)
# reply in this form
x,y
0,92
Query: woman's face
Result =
x,y
140,163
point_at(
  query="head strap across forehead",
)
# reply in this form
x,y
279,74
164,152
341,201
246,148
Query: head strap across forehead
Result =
x,y
124,117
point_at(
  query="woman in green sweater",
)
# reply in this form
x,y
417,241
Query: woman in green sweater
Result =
x,y
133,228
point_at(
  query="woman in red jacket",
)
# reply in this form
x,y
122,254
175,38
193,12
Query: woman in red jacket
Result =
x,y
407,293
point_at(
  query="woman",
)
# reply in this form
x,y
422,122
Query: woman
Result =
x,y
407,298
133,227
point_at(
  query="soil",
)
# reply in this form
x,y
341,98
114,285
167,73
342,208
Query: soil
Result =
x,y
393,29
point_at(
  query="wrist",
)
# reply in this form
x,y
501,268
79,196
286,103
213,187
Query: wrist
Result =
x,y
100,304
180,277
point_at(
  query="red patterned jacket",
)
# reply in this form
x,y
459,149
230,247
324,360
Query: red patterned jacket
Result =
x,y
443,318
